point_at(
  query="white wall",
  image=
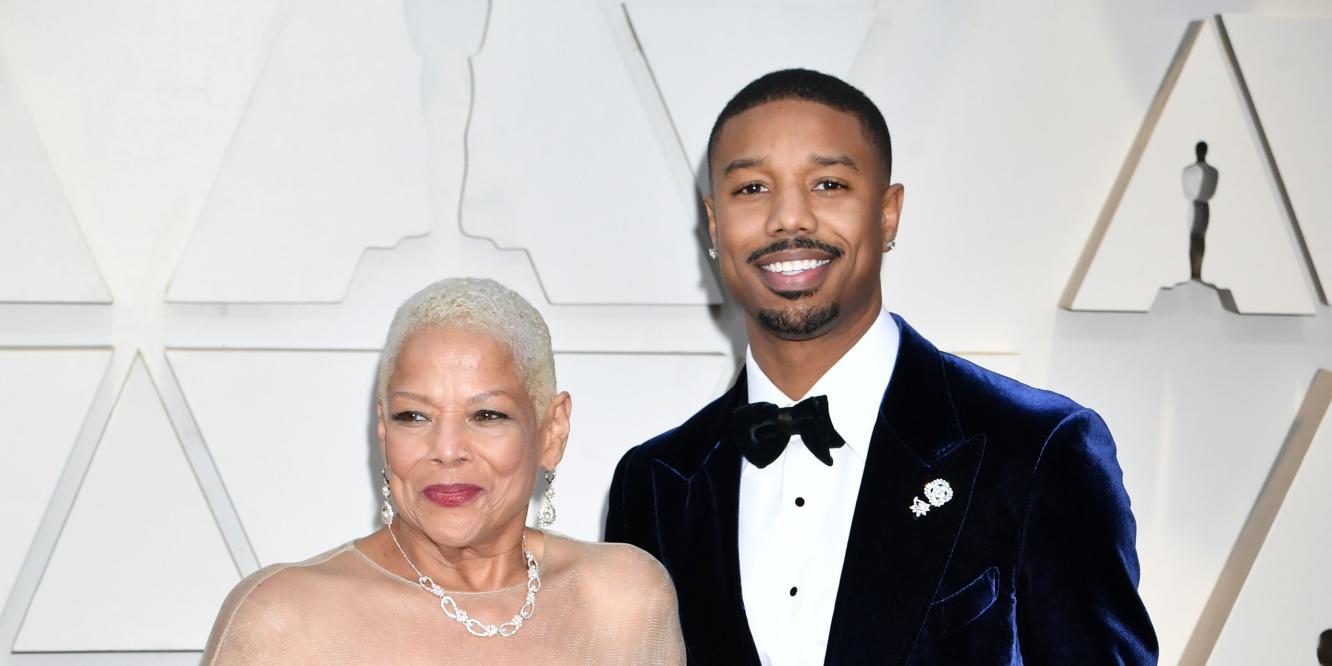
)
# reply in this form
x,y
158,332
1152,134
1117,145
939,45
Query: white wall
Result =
x,y
254,186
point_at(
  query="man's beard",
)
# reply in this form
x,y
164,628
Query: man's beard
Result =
x,y
797,323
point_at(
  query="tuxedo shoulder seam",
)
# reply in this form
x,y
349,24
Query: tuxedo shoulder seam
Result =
x,y
1036,471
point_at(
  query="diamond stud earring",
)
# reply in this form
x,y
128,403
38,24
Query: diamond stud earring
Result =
x,y
713,253
888,247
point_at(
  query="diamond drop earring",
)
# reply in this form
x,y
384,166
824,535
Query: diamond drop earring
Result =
x,y
385,509
547,515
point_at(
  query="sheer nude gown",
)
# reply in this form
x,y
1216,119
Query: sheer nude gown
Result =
x,y
598,604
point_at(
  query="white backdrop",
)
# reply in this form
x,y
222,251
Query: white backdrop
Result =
x,y
208,212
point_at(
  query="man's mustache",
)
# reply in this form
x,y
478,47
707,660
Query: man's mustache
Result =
x,y
799,242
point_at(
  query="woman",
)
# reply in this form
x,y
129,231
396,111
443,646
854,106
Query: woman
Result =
x,y
467,414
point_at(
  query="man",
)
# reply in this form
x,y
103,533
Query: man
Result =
x,y
910,507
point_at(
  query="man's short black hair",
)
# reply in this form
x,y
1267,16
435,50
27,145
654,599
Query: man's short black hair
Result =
x,y
809,86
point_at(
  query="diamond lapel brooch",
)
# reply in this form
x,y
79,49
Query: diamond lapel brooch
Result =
x,y
937,494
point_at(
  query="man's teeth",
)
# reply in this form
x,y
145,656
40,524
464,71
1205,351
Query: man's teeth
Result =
x,y
794,267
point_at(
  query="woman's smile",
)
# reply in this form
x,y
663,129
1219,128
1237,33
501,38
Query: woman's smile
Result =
x,y
451,495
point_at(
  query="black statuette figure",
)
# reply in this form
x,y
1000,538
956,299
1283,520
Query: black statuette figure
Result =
x,y
1199,186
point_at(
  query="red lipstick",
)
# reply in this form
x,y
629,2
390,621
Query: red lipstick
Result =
x,y
451,494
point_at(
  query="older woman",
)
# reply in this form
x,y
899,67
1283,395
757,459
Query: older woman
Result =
x,y
467,414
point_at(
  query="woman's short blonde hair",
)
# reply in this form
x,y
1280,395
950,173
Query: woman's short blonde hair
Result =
x,y
484,305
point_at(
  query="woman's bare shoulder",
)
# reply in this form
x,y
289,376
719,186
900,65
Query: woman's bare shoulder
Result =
x,y
273,603
616,565
628,591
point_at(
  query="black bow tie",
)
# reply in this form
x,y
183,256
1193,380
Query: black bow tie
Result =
x,y
761,430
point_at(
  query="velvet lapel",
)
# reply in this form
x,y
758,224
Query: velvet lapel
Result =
x,y
894,560
697,507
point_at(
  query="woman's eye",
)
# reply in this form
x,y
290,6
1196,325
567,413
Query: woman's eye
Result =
x,y
490,415
409,417
824,185
751,188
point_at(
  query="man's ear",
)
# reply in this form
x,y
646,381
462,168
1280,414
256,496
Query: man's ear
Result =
x,y
891,211
712,219
555,431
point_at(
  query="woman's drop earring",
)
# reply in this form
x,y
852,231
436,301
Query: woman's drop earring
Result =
x,y
547,516
385,509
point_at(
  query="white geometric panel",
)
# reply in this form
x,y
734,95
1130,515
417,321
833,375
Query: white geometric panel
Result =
x,y
1199,401
619,401
43,397
329,159
134,102
702,54
1141,242
140,564
589,182
292,434
1285,64
1285,600
43,256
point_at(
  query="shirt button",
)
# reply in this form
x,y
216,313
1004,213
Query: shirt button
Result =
x,y
800,501
793,591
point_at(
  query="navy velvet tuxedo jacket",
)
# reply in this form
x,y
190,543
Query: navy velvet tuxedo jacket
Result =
x,y
1033,560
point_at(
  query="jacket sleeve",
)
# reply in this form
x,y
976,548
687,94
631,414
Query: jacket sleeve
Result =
x,y
1077,578
617,515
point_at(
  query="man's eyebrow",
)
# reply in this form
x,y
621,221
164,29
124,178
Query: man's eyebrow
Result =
x,y
743,163
834,160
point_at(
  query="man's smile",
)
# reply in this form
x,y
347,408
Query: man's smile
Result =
x,y
794,273
795,267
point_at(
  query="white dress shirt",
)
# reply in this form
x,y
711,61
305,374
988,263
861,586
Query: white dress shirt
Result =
x,y
795,514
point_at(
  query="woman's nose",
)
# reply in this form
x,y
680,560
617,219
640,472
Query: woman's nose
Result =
x,y
450,444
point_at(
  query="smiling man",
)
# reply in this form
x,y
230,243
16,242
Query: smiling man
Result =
x,y
859,496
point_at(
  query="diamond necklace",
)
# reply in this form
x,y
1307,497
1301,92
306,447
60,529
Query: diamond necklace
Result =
x,y
474,626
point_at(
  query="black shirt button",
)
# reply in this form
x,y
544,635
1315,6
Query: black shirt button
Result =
x,y
793,591
800,501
